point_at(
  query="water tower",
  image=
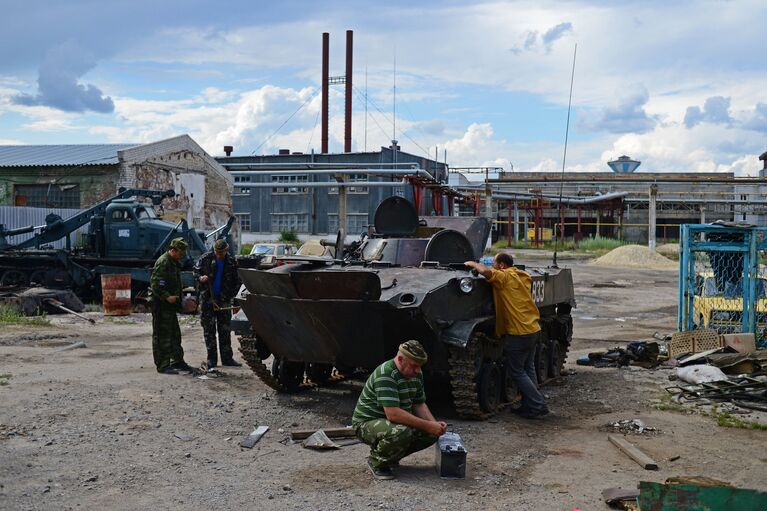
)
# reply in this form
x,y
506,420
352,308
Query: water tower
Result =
x,y
624,165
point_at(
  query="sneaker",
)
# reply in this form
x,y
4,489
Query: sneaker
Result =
x,y
168,370
383,473
231,363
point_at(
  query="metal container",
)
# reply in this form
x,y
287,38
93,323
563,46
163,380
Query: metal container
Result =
x,y
115,292
450,457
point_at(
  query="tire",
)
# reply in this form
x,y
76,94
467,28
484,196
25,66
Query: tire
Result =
x,y
13,278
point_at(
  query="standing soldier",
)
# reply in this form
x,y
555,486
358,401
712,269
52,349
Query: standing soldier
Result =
x,y
219,284
165,286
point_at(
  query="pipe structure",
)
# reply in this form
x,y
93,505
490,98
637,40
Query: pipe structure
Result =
x,y
316,172
325,89
348,97
328,165
565,199
326,184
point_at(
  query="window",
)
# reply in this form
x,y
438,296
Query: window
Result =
x,y
242,190
48,196
290,222
351,178
121,215
291,184
243,220
242,179
356,223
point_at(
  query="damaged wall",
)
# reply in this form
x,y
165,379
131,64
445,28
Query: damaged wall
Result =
x,y
202,186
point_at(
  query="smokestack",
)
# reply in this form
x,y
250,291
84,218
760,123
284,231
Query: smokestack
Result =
x,y
348,80
228,150
325,78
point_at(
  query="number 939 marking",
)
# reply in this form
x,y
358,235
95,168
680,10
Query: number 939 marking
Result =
x,y
537,291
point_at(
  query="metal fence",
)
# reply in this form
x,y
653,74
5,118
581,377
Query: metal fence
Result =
x,y
723,279
21,216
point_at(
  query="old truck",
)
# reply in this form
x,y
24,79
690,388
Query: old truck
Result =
x,y
407,280
124,235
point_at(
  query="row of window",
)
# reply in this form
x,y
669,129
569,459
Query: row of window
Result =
x,y
355,222
292,184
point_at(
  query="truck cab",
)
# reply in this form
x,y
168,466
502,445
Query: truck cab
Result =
x,y
132,229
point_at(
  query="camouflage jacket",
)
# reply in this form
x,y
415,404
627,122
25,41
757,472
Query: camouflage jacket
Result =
x,y
230,283
166,281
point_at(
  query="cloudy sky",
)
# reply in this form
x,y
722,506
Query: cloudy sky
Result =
x,y
681,86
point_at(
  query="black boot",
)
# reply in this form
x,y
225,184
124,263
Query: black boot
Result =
x,y
231,362
212,359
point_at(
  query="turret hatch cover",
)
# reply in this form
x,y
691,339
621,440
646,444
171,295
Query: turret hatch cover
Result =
x,y
449,246
396,216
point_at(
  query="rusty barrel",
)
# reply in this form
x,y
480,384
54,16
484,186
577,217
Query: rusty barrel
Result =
x,y
115,292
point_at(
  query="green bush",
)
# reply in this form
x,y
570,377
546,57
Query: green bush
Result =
x,y
245,248
289,236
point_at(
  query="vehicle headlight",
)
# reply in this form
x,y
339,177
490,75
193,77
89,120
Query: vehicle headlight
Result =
x,y
466,285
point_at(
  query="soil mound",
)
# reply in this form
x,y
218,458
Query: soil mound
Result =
x,y
668,248
636,256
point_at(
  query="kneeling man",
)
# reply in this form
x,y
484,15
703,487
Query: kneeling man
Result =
x,y
391,414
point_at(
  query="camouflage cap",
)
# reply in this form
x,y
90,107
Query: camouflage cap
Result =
x,y
221,245
178,244
413,350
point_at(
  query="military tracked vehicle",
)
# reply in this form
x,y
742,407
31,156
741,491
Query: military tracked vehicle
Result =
x,y
406,280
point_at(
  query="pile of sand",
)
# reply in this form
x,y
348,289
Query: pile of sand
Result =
x,y
668,248
636,256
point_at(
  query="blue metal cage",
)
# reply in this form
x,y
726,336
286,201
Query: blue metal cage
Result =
x,y
723,279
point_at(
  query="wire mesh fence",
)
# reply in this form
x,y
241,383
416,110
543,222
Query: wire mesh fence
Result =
x,y
723,279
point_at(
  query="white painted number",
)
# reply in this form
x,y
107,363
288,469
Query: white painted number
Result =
x,y
538,291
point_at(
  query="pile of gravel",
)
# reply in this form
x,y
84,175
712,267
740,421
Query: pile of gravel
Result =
x,y
668,248
636,256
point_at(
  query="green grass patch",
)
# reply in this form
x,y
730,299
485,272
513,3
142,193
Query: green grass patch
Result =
x,y
10,315
4,379
666,403
728,420
289,236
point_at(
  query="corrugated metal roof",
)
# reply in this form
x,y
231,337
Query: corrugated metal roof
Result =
x,y
41,155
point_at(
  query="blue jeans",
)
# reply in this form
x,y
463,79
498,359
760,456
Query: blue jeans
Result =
x,y
519,351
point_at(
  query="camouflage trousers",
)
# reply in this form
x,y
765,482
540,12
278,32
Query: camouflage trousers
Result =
x,y
216,321
166,338
390,442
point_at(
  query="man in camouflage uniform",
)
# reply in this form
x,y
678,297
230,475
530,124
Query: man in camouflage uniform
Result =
x,y
391,415
219,283
165,288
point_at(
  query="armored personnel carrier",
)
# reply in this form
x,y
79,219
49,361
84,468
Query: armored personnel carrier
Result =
x,y
406,280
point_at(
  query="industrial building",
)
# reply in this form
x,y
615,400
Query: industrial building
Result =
x,y
303,192
623,204
78,176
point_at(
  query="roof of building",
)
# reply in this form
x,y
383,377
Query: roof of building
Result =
x,y
60,155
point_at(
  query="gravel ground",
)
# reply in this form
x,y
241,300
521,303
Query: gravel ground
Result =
x,y
98,428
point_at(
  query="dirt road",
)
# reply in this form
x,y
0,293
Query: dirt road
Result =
x,y
98,428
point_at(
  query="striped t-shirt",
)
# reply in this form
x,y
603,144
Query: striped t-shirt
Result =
x,y
387,387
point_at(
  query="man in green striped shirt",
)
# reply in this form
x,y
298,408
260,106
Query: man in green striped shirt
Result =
x,y
391,415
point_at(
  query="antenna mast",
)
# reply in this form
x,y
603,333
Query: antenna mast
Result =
x,y
564,157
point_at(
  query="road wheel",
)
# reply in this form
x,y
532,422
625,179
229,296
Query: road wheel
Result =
x,y
555,360
319,373
288,374
489,385
542,362
14,278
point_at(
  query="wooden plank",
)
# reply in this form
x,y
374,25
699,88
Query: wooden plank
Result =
x,y
249,441
301,434
633,452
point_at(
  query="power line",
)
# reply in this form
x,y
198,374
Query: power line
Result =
x,y
314,92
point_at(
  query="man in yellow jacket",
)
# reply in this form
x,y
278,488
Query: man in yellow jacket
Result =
x,y
517,325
